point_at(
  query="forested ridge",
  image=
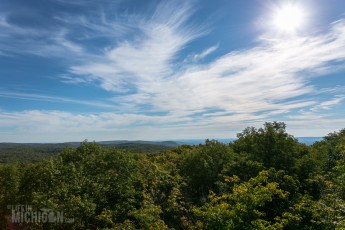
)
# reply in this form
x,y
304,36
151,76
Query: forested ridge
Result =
x,y
265,179
33,152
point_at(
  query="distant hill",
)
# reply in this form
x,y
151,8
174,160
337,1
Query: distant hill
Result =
x,y
33,152
140,146
139,142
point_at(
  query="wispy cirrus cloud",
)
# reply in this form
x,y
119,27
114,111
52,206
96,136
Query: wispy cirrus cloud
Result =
x,y
53,31
196,57
55,99
17,40
259,79
327,105
205,53
149,56
140,62
266,78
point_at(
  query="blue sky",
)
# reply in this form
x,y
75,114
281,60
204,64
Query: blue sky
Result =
x,y
106,70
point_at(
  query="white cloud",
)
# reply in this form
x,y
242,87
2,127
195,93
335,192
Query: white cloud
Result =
x,y
247,81
260,79
39,97
140,68
318,127
69,45
58,126
327,105
59,39
16,40
267,79
206,52
147,58
202,55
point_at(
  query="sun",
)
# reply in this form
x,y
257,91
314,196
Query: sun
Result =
x,y
288,18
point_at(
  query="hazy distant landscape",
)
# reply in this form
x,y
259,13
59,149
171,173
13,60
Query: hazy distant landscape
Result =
x,y
33,152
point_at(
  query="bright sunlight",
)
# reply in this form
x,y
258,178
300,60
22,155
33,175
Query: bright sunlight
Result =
x,y
289,18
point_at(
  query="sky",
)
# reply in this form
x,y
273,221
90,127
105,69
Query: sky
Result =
x,y
163,70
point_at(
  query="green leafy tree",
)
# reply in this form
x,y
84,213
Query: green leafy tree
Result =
x,y
163,184
243,207
9,189
328,149
202,168
270,145
88,182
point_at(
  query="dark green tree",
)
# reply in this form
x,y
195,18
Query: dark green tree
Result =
x,y
270,145
202,168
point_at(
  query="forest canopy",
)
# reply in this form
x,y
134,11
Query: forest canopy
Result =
x,y
265,179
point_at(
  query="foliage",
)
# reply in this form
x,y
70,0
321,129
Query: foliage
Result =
x,y
243,207
270,145
265,179
202,167
12,152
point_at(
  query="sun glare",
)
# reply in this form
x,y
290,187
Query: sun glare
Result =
x,y
288,18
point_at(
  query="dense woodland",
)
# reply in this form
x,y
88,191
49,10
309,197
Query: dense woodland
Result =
x,y
265,179
10,152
